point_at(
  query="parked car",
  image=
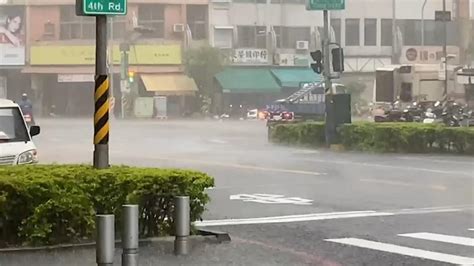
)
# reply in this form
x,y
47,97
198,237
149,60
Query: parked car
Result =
x,y
16,143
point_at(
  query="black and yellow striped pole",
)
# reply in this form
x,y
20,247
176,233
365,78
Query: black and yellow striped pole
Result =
x,y
101,97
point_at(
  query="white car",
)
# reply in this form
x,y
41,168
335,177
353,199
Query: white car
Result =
x,y
16,144
252,114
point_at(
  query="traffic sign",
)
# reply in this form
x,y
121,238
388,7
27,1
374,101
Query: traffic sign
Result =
x,y
325,4
101,7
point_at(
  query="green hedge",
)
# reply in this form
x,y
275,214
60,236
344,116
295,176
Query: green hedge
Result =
x,y
53,204
381,137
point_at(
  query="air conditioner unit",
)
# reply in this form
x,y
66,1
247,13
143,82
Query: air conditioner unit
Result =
x,y
178,28
302,45
284,59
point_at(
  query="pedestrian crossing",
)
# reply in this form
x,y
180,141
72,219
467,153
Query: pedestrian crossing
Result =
x,y
415,252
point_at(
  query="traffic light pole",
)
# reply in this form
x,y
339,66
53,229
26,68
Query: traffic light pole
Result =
x,y
330,123
101,97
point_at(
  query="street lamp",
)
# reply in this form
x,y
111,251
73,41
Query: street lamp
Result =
x,y
423,29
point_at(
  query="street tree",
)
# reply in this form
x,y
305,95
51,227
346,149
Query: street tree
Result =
x,y
202,64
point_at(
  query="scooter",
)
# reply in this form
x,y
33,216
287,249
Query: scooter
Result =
x,y
29,119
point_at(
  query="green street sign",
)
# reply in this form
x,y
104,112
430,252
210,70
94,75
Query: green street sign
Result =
x,y
325,4
101,7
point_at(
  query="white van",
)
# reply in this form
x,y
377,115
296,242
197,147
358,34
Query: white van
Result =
x,y
16,144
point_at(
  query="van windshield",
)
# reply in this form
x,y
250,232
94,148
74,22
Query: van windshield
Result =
x,y
12,126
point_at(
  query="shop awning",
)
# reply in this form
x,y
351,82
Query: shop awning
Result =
x,y
247,80
170,84
292,77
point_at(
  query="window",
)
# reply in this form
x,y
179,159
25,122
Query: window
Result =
x,y
336,27
370,32
152,16
386,32
251,1
252,37
223,38
434,35
352,32
75,27
49,30
288,36
411,30
197,21
118,27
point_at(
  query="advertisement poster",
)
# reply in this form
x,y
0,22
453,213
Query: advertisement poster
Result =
x,y
12,36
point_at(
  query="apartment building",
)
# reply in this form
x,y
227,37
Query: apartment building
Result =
x,y
56,56
281,33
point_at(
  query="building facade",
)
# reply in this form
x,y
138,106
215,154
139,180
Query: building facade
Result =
x,y
55,59
285,32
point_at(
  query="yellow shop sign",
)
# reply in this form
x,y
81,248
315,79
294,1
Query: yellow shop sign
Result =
x,y
85,55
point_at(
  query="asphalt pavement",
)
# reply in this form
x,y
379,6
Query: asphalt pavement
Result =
x,y
296,205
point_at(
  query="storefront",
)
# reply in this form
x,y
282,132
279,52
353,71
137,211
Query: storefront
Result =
x,y
246,88
64,74
12,52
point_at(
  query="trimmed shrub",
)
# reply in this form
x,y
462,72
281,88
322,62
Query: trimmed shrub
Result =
x,y
53,204
382,137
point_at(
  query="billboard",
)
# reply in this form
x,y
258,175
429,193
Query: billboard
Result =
x,y
12,36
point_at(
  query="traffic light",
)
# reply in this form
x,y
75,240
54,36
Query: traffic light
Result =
x,y
131,77
337,60
317,66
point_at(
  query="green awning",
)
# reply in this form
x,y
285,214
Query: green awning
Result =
x,y
247,80
292,77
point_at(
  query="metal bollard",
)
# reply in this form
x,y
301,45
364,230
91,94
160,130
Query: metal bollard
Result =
x,y
105,244
182,223
130,235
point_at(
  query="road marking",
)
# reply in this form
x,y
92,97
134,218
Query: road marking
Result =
x,y
465,241
292,218
344,162
271,199
456,208
231,165
329,216
404,184
434,160
406,251
471,229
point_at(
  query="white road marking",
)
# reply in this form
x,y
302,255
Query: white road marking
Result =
x,y
465,241
271,199
471,229
404,184
429,170
331,215
292,218
406,251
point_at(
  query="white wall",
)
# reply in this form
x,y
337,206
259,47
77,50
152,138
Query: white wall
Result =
x,y
405,9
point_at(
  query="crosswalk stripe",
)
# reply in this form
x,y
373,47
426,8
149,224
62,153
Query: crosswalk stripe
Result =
x,y
465,241
471,229
406,251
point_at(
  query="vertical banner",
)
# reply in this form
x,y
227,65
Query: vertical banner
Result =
x,y
12,36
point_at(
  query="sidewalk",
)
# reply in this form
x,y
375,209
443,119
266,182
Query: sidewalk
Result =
x,y
205,251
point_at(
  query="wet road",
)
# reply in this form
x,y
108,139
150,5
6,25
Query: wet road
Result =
x,y
321,207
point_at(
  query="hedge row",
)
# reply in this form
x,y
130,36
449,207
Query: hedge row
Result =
x,y
54,204
383,137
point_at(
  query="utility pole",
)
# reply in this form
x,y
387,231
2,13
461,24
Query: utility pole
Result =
x,y
330,122
445,50
394,32
101,9
101,96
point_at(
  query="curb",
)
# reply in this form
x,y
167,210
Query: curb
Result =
x,y
118,243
